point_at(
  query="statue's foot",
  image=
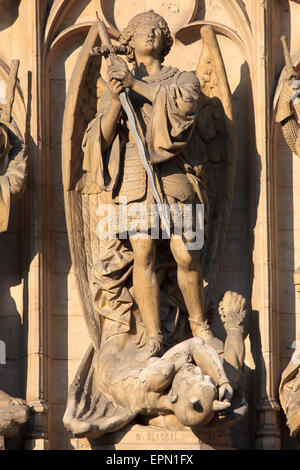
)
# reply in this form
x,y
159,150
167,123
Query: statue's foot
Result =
x,y
202,330
152,348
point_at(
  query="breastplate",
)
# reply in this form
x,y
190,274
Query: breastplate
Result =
x,y
133,180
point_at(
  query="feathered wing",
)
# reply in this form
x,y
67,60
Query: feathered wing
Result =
x,y
217,151
88,411
81,107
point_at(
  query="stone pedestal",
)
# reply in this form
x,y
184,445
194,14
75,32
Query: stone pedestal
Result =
x,y
138,437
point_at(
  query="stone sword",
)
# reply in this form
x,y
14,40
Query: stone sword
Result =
x,y
128,108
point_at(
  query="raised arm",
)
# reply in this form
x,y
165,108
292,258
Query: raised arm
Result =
x,y
111,116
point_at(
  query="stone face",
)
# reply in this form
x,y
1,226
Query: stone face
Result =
x,y
41,316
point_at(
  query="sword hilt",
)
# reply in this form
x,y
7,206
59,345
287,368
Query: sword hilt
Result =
x,y
105,39
107,50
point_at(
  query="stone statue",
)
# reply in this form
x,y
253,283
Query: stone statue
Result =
x,y
288,111
289,393
13,158
13,162
288,114
191,380
13,175
138,291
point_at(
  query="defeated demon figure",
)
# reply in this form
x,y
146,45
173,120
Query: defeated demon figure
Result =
x,y
189,380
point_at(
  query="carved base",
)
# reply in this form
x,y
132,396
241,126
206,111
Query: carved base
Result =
x,y
37,437
137,437
268,430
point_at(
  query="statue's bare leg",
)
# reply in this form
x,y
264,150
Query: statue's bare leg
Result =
x,y
190,281
146,291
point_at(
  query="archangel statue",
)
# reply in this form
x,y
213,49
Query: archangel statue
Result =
x,y
288,111
152,140
289,393
288,114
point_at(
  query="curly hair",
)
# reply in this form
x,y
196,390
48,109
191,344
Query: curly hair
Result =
x,y
127,36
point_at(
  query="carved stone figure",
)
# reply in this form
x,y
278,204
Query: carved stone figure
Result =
x,y
288,111
13,413
13,158
288,114
13,169
13,174
191,380
289,393
143,296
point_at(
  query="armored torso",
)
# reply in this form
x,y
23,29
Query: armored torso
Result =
x,y
170,174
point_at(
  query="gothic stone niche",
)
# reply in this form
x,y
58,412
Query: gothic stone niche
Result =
x,y
154,357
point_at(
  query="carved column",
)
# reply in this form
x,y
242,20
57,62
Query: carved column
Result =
x,y
264,299
37,356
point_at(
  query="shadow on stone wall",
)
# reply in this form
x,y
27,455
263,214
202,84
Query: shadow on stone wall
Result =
x,y
9,12
12,328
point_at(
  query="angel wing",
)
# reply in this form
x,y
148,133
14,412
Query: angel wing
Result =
x,y
216,131
81,107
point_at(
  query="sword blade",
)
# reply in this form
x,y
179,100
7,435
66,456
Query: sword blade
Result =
x,y
127,106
